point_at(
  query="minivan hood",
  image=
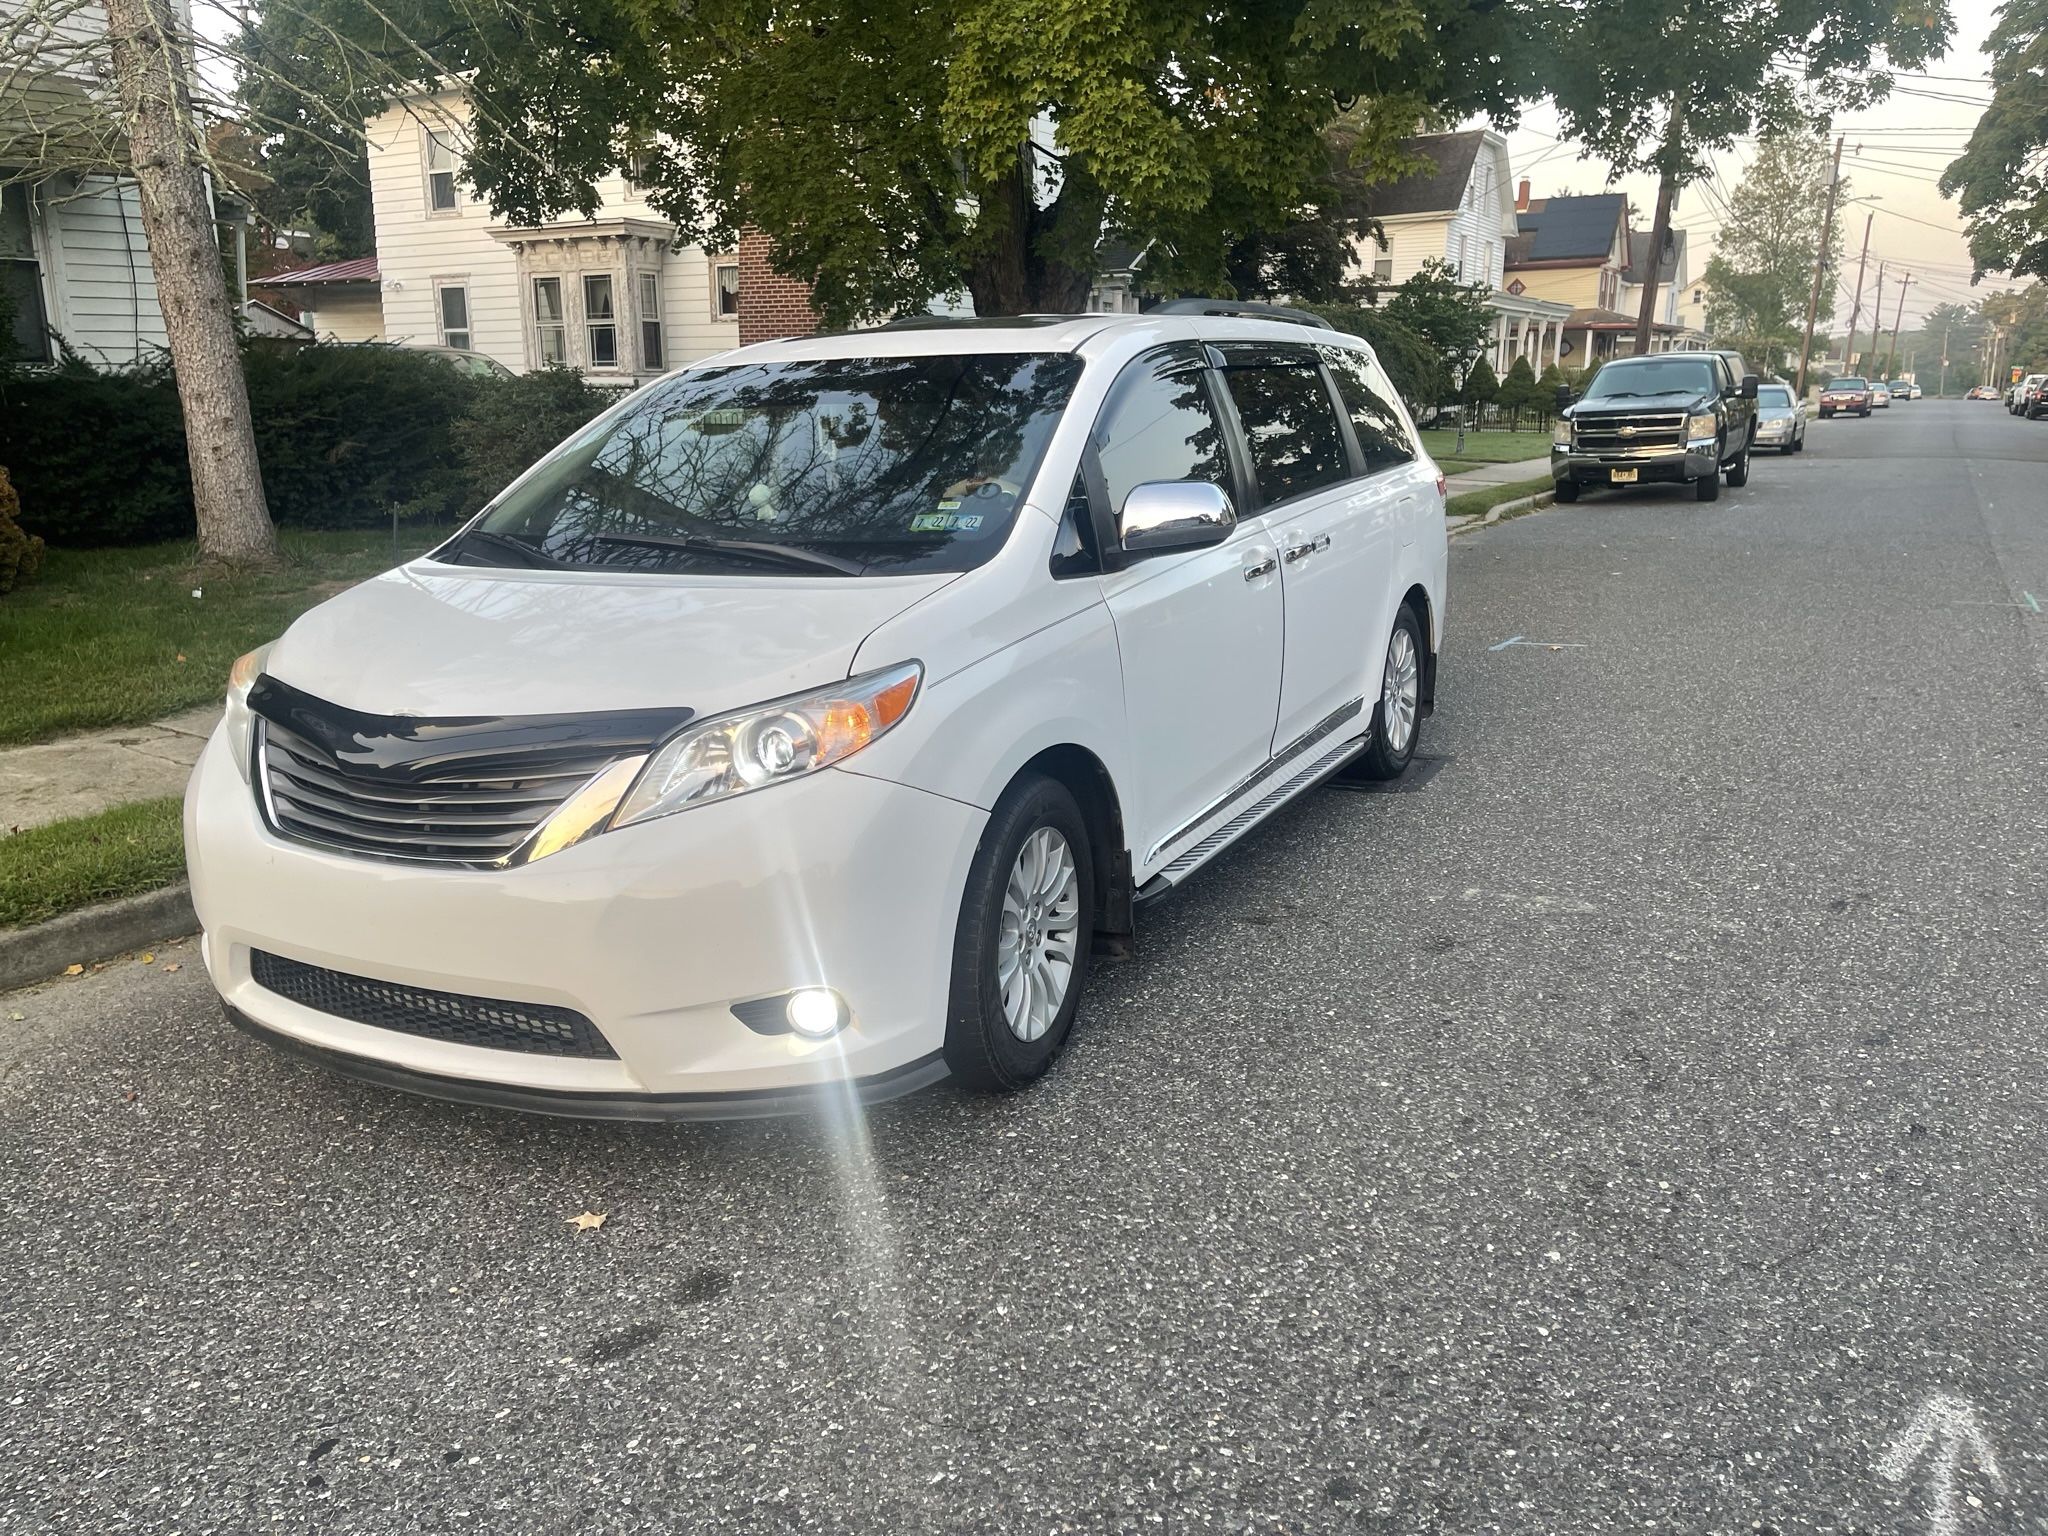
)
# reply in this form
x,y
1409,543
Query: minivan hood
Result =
x,y
434,640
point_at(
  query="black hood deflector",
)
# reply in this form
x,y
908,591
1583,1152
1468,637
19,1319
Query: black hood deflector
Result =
x,y
408,749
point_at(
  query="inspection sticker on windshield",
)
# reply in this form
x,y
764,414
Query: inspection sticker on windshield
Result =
x,y
945,522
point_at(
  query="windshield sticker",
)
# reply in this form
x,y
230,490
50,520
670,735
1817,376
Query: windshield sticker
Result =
x,y
945,522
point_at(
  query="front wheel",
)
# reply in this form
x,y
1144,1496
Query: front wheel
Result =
x,y
1397,718
1567,490
1738,472
1707,487
1020,953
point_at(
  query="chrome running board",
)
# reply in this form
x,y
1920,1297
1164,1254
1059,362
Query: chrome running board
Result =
x,y
1226,832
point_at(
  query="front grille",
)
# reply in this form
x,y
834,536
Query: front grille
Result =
x,y
534,1028
1629,433
473,813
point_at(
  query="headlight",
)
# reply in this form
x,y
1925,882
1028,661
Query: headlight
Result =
x,y
1701,425
1561,434
767,745
240,722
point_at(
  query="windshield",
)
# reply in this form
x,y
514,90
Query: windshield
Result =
x,y
833,467
1663,376
1776,395
1850,384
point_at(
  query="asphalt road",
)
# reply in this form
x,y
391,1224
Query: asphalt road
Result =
x,y
1632,1127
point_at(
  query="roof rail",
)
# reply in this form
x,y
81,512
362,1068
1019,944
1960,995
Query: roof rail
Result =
x,y
976,322
1241,309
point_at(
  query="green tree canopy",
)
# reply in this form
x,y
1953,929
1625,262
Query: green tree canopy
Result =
x,y
1760,277
1453,317
2001,179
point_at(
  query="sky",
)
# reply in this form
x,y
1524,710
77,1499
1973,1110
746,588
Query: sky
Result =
x,y
1897,150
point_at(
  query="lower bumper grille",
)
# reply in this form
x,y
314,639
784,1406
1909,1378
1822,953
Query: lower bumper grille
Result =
x,y
535,1028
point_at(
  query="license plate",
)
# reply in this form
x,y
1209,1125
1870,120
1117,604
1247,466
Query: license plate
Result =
x,y
1621,477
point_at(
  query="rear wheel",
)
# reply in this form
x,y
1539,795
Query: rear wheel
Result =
x,y
1567,490
1397,718
1020,952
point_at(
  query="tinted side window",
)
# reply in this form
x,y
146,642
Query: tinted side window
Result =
x,y
1158,425
1296,443
1369,401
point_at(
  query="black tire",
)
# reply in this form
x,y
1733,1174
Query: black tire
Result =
x,y
1567,490
1864,412
1380,761
1738,472
982,1050
1707,487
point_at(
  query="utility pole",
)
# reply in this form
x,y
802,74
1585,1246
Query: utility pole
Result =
x,y
1876,317
1944,364
1660,225
1820,262
1892,357
1856,309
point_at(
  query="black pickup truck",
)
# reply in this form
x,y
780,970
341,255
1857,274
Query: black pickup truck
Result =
x,y
1672,417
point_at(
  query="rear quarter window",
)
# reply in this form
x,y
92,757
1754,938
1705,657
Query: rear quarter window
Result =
x,y
1368,396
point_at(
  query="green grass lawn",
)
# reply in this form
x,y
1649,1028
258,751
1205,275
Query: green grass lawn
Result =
x,y
1485,447
1478,503
105,637
67,864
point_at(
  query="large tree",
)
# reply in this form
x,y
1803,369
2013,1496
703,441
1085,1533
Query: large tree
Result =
x,y
1761,275
2001,179
1657,87
920,148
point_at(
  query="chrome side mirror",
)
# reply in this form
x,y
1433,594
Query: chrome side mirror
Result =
x,y
1174,514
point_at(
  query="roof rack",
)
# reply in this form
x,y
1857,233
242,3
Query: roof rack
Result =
x,y
976,322
1242,309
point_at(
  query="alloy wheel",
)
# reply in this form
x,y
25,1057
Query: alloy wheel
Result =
x,y
1400,692
1040,933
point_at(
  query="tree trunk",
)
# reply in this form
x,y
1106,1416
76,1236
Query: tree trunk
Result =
x,y
1036,260
1660,226
152,64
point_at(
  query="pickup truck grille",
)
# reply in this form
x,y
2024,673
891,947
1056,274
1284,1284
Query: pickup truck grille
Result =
x,y
471,814
1629,433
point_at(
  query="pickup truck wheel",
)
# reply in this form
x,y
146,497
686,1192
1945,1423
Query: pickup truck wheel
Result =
x,y
1020,954
1567,490
1397,717
1738,472
1707,487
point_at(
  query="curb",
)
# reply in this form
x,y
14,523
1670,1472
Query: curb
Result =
x,y
96,933
1520,507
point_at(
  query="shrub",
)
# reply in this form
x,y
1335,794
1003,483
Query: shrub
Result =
x,y
1518,391
511,422
97,457
344,433
1482,385
20,553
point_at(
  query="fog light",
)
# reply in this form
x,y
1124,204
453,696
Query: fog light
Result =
x,y
815,1012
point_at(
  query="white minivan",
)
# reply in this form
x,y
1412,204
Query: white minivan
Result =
x,y
806,720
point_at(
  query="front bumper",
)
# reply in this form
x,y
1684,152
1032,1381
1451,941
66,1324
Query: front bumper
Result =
x,y
1657,466
652,933
1773,434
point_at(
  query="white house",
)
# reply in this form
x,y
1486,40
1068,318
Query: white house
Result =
x,y
617,295
1461,210
73,263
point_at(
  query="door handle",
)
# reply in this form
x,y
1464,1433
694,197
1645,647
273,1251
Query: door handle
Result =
x,y
1254,569
1303,551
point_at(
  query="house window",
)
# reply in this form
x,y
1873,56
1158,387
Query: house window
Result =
x,y
441,168
650,320
451,305
1382,262
725,290
21,278
550,330
600,321
635,172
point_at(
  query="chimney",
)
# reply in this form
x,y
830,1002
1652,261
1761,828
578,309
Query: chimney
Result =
x,y
1522,196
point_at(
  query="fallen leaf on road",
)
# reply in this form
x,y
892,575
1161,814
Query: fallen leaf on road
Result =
x,y
17,1017
589,1221
149,957
174,966
129,1096
74,970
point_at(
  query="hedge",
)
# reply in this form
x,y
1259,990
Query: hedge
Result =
x,y
344,434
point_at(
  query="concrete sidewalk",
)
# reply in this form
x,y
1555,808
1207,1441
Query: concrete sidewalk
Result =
x,y
81,775
1497,474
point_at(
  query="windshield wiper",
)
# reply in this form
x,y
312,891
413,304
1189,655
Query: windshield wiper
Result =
x,y
746,549
519,549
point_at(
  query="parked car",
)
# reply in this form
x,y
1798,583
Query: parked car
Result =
x,y
1780,419
1904,389
1880,394
1847,396
1982,392
2027,400
1673,417
804,720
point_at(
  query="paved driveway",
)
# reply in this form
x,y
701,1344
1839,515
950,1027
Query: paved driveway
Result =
x,y
1634,1126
